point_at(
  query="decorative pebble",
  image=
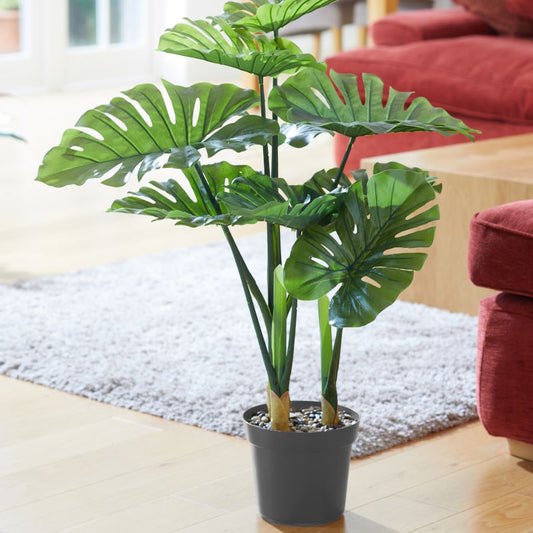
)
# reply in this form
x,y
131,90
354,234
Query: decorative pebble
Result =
x,y
308,420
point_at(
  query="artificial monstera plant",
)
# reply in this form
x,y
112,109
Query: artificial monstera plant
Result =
x,y
357,236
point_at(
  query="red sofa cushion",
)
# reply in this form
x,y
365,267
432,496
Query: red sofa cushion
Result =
x,y
505,366
410,26
500,252
480,76
523,8
496,14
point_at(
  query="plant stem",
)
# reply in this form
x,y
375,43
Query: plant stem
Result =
x,y
275,142
207,188
246,280
266,163
284,384
252,284
273,230
273,380
273,246
329,392
343,162
250,280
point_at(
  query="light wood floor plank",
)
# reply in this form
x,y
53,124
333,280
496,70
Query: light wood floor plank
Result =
x,y
432,459
475,485
229,493
158,516
147,462
166,477
509,514
68,443
402,514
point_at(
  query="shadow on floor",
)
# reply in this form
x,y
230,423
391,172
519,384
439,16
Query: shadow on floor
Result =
x,y
349,523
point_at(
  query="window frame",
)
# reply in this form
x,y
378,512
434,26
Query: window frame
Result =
x,y
47,62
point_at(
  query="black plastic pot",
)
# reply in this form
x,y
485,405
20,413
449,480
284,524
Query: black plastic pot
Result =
x,y
301,478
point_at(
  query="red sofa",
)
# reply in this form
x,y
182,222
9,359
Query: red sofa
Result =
x,y
500,257
458,62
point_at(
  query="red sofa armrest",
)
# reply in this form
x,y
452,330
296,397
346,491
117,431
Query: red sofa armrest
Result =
x,y
410,26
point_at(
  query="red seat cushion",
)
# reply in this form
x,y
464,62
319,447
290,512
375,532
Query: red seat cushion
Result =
x,y
410,26
500,253
505,366
488,77
522,8
496,13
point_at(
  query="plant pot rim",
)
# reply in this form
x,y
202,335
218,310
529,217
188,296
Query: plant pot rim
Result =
x,y
321,439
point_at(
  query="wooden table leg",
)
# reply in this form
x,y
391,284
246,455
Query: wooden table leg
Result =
x,y
336,32
377,9
317,38
362,36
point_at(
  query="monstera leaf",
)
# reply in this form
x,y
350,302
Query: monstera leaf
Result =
x,y
261,15
363,256
275,201
186,203
334,104
235,11
299,135
219,43
138,132
322,182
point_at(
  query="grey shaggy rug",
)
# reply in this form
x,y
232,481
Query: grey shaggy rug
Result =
x,y
169,334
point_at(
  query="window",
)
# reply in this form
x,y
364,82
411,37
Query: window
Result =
x,y
58,43
104,22
9,26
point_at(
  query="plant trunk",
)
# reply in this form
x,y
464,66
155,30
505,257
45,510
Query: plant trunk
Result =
x,y
279,409
330,413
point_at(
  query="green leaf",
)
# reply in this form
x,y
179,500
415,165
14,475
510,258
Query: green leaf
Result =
x,y
380,167
137,133
311,97
240,135
299,135
363,258
217,42
279,324
266,16
326,351
186,203
323,181
275,201
235,11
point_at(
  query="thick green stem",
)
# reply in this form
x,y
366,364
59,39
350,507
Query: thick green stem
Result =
x,y
275,142
246,280
207,188
266,163
274,384
273,230
343,162
284,384
252,284
329,392
250,280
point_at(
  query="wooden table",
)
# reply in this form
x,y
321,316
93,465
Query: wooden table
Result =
x,y
475,177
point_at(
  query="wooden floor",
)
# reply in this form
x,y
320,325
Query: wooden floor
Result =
x,y
71,464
